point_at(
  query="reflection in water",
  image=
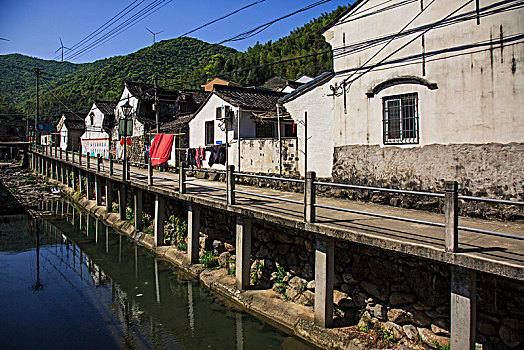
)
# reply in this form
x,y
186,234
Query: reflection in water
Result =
x,y
109,293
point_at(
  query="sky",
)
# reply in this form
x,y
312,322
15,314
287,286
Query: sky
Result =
x,y
33,27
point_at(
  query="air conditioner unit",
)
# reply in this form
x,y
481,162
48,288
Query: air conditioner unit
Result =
x,y
225,113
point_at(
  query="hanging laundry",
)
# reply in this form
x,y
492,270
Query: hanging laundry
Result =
x,y
217,156
191,157
200,155
160,150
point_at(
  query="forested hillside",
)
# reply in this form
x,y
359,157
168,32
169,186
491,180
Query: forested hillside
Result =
x,y
172,61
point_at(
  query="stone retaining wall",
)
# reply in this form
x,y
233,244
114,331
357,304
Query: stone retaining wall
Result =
x,y
402,296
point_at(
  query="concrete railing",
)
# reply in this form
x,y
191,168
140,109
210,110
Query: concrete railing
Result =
x,y
310,203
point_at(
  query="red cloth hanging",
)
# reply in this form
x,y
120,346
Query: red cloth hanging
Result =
x,y
160,150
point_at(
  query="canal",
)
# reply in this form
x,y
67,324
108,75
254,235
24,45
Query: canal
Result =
x,y
69,281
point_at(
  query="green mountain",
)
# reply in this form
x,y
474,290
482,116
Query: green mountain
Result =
x,y
172,61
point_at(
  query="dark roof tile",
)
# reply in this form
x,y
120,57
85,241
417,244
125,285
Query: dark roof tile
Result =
x,y
248,98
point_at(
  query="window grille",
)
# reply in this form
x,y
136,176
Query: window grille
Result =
x,y
400,119
264,130
210,132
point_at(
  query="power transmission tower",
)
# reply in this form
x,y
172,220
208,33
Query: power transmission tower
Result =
x,y
38,72
62,47
154,34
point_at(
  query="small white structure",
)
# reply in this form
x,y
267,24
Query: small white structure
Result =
x,y
98,124
425,92
231,114
70,127
313,99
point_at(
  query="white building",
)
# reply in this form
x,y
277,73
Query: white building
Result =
x,y
313,99
267,141
70,128
98,124
424,93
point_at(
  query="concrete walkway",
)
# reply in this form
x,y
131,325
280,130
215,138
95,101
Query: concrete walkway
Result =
x,y
410,238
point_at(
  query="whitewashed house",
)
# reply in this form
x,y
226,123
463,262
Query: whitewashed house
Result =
x,y
311,106
98,125
70,128
267,140
423,93
143,117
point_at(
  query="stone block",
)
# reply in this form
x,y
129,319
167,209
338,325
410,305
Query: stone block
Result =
x,y
411,331
399,298
380,312
342,300
395,330
431,339
377,291
307,298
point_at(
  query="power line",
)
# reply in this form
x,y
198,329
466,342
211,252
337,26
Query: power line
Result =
x,y
103,26
135,19
220,18
128,23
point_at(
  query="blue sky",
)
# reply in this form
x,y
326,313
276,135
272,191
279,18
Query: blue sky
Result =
x,y
33,26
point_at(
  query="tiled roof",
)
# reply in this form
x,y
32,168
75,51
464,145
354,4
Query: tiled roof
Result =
x,y
146,92
248,98
74,121
106,107
176,124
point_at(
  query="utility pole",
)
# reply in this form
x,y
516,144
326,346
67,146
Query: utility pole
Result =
x,y
38,72
156,106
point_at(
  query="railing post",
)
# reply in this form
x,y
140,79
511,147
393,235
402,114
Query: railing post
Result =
x,y
124,170
88,160
98,164
111,165
128,169
67,155
79,158
309,197
182,178
149,172
451,213
60,153
230,185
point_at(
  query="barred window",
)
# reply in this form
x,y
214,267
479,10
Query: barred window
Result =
x,y
264,130
400,119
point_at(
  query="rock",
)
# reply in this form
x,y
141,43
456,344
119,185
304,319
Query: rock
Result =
x,y
401,316
431,339
223,259
346,288
230,248
399,298
263,252
218,247
307,298
342,300
282,248
428,286
283,237
411,331
394,329
383,270
297,283
511,338
378,291
365,319
311,285
348,278
205,243
292,259
438,330
359,268
486,328
307,271
291,292
380,312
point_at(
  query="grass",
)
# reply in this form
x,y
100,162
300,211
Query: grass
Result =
x,y
208,259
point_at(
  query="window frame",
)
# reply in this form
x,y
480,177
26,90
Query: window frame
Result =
x,y
209,132
264,130
407,127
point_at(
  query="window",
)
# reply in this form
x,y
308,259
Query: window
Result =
x,y
92,119
400,119
171,108
264,130
210,133
290,130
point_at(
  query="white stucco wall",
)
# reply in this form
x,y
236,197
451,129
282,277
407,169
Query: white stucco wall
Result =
x,y
138,128
63,138
319,108
480,91
95,140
